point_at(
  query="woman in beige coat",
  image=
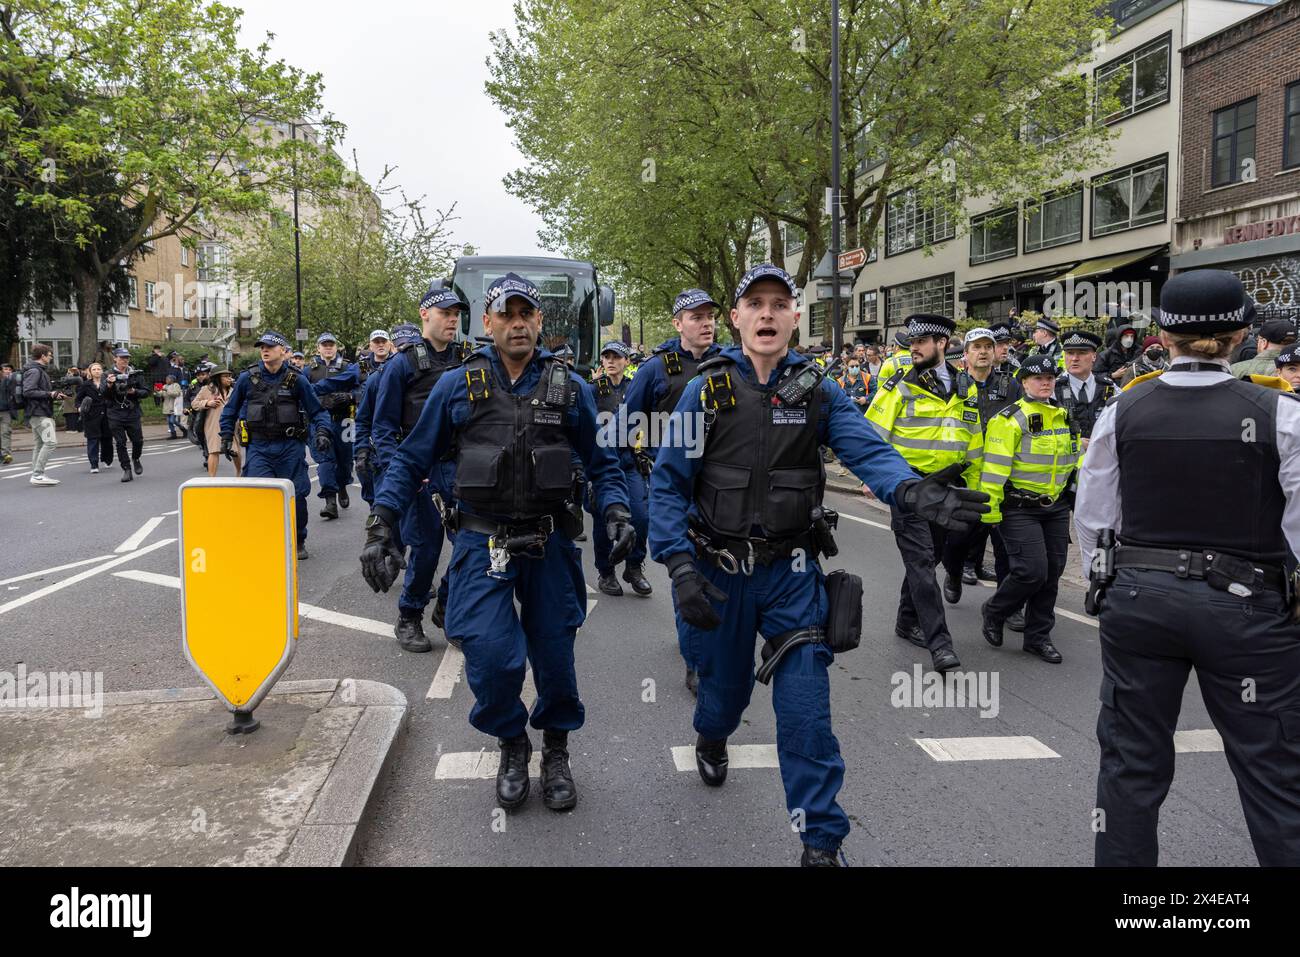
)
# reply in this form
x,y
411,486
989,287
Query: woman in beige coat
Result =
x,y
212,398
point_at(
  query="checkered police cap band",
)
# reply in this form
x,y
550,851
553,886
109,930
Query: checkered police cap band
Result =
x,y
765,271
1076,340
442,298
925,327
1171,320
690,299
509,286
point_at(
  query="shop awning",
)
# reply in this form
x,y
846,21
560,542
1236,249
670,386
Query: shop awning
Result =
x,y
1105,264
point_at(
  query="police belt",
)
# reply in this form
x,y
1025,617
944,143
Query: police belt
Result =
x,y
506,529
288,432
734,555
1022,498
1203,564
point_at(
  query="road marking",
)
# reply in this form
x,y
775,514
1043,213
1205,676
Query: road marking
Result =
x,y
738,756
478,765
48,468
140,534
1200,739
1006,748
445,679
367,625
591,604
82,576
864,521
1075,616
57,568
171,513
529,693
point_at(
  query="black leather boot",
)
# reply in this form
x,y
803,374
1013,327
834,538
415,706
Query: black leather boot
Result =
x,y
635,577
608,585
331,509
711,760
1016,620
819,857
512,774
558,791
951,589
126,473
439,614
344,501
968,575
991,628
410,635
139,469
302,552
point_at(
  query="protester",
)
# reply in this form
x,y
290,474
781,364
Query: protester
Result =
x,y
1153,359
1274,335
173,406
93,407
207,404
70,385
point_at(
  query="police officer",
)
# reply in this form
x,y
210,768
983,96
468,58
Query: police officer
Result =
x,y
609,388
1081,393
126,387
1003,359
1195,583
994,388
661,379
297,359
514,417
381,348
353,379
901,358
335,472
937,430
1047,342
1030,453
401,397
741,524
279,409
1288,367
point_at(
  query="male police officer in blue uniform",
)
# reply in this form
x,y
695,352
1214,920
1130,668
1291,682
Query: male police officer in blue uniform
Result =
x,y
416,370
280,410
335,472
361,378
660,380
754,529
513,417
609,389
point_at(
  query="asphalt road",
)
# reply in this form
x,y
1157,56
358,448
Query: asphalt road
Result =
x,y
118,612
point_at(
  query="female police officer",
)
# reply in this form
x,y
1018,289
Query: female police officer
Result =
x,y
1030,452
1197,580
745,508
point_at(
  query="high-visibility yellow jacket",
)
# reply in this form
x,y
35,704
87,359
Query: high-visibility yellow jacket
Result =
x,y
1032,446
899,360
930,431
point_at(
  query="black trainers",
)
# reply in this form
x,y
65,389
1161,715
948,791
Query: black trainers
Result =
x,y
512,773
558,790
635,577
711,761
410,635
139,469
608,585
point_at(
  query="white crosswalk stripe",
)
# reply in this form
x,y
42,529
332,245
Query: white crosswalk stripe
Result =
x,y
1001,748
1199,739
739,757
478,765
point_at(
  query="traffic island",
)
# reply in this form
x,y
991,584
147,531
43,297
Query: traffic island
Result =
x,y
154,779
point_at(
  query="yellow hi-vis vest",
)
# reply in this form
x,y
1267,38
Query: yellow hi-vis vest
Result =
x,y
930,432
899,360
1038,460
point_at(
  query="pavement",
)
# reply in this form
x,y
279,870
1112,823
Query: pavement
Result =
x,y
1006,776
24,441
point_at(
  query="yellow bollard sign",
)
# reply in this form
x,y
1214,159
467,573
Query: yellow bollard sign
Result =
x,y
239,586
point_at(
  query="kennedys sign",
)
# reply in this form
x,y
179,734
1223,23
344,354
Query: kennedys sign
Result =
x,y
1265,230
853,259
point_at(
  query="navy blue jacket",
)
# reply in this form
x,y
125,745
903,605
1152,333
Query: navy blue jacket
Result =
x,y
446,412
844,429
650,383
236,406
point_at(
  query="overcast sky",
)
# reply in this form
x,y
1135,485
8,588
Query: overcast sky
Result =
x,y
407,79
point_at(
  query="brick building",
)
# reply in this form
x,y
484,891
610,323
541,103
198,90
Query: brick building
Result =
x,y
1239,204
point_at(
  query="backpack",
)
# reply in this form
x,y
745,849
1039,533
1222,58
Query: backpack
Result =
x,y
18,401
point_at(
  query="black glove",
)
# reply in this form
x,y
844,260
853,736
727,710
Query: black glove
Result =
x,y
937,500
381,559
693,592
361,460
618,528
324,441
228,446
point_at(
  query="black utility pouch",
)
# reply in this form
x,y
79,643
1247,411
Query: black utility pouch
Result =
x,y
844,623
1226,570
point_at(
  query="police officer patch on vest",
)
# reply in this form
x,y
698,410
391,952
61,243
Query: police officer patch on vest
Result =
x,y
797,415
970,416
547,417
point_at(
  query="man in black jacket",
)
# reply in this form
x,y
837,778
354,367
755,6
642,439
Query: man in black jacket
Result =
x,y
7,411
126,387
38,400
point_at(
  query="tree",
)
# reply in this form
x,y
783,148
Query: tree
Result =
x,y
727,100
148,111
363,264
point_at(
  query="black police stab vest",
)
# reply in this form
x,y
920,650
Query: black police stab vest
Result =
x,y
338,404
608,395
999,391
1187,454
514,459
681,368
428,366
762,471
1083,415
273,410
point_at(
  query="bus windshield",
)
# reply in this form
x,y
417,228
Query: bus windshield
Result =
x,y
568,303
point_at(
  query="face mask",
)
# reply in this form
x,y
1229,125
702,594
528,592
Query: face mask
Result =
x,y
853,370
1127,341
1155,355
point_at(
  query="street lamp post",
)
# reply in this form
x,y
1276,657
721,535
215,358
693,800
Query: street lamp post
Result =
x,y
297,250
837,325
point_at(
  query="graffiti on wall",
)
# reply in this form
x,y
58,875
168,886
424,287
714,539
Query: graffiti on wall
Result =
x,y
1274,285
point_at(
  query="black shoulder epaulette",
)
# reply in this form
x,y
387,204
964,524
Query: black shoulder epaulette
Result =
x,y
1009,411
894,379
711,363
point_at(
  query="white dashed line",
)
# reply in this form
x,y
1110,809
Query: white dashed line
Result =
x,y
448,675
137,538
739,756
478,765
1201,739
82,576
1005,748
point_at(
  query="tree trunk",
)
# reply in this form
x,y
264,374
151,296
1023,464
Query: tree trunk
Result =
x,y
88,286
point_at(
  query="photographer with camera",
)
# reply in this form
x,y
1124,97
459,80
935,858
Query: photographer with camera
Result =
x,y
126,387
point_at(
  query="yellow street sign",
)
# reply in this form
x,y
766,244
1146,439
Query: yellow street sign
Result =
x,y
239,584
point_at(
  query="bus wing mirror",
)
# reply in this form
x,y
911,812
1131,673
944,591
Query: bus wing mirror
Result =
x,y
605,305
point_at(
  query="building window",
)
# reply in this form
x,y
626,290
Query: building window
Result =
x,y
1127,198
1057,220
1291,128
185,255
1140,79
132,292
1060,113
933,295
818,314
1234,143
1124,10
993,236
149,298
212,261
912,224
793,239
867,308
